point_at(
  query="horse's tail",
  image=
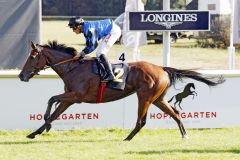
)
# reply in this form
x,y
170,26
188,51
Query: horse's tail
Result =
x,y
177,74
171,99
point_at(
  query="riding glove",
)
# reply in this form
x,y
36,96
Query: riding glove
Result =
x,y
80,55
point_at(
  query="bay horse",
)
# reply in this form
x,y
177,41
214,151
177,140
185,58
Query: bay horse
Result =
x,y
150,82
185,93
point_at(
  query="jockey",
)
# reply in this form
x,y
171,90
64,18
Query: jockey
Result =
x,y
94,31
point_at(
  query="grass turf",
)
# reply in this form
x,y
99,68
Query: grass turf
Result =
x,y
107,144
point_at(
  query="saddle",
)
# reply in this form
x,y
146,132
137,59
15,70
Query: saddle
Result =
x,y
120,71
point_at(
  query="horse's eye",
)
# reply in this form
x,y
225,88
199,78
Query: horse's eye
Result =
x,y
34,54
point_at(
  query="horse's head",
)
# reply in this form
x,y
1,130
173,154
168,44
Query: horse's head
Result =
x,y
192,85
35,62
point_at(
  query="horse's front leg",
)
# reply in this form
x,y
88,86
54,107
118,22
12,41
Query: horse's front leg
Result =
x,y
195,93
51,101
38,131
47,125
68,96
65,100
192,95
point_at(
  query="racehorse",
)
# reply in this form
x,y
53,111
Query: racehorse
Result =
x,y
186,92
150,82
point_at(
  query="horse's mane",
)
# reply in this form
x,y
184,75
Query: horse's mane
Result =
x,y
60,47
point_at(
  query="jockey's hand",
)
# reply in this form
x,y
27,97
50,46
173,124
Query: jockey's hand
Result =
x,y
80,55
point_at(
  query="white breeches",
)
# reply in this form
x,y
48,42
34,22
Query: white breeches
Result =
x,y
108,41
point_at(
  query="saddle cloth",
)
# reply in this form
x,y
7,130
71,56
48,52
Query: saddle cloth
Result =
x,y
120,71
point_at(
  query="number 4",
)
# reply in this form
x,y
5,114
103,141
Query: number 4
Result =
x,y
122,57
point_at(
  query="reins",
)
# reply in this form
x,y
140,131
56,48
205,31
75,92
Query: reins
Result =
x,y
61,62
64,61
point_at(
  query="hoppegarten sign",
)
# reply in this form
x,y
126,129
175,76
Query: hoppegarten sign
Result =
x,y
164,21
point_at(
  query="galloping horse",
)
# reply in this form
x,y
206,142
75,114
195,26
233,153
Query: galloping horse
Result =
x,y
186,92
150,82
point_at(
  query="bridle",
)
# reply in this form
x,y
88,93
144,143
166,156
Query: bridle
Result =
x,y
48,64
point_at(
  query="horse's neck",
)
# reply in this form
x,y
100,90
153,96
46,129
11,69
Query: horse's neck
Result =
x,y
54,57
187,88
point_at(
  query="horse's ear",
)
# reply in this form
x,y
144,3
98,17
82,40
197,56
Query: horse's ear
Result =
x,y
33,45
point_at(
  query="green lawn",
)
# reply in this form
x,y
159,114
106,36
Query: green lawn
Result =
x,y
182,55
107,144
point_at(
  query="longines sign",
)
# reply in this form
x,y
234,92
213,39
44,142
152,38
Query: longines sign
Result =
x,y
174,21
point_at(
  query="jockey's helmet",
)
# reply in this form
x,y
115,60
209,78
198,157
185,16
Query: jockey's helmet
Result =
x,y
75,21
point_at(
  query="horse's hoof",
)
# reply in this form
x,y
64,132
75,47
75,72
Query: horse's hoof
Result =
x,y
127,139
48,127
31,136
185,137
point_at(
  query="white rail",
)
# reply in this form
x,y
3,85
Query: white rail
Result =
x,y
49,72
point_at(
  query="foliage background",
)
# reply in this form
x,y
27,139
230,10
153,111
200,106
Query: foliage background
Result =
x,y
98,7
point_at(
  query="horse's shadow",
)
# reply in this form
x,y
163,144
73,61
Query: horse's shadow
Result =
x,y
199,151
54,141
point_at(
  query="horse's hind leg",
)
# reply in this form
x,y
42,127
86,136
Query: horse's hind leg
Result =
x,y
147,94
175,104
137,128
179,104
141,120
162,104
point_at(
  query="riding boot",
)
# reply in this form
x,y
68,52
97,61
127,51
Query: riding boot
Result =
x,y
110,76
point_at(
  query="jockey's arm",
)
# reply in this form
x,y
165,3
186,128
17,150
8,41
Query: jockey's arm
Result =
x,y
91,43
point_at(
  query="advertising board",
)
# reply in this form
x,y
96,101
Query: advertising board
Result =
x,y
166,21
23,106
